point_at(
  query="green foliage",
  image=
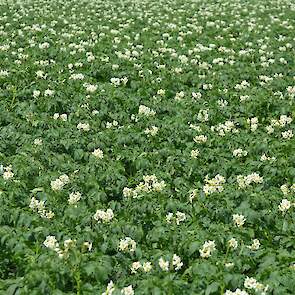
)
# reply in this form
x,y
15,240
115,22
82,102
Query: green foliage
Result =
x,y
134,84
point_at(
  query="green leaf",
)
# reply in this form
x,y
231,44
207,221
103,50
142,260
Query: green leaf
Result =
x,y
212,288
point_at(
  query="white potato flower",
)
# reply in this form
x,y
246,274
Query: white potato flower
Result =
x,y
135,266
83,126
195,153
233,243
285,205
128,290
127,245
239,220
98,153
147,266
164,265
51,242
74,198
207,249
7,174
110,289
104,216
255,245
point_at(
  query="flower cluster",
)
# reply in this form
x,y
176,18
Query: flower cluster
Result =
x,y
213,185
145,266
83,126
151,131
111,289
255,245
127,245
39,207
74,198
178,217
98,153
239,220
203,116
51,243
104,216
195,153
59,183
145,111
207,249
166,264
224,128
118,81
150,184
236,292
239,153
287,189
7,174
253,123
252,284
200,138
285,205
233,243
244,181
62,117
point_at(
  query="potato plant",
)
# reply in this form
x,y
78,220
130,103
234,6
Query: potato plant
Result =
x,y
147,147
